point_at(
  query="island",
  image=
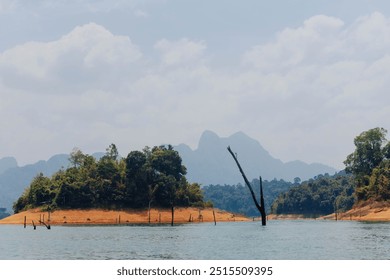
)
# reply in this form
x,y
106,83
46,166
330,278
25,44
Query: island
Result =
x,y
146,187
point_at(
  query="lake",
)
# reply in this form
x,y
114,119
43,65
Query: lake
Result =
x,y
279,240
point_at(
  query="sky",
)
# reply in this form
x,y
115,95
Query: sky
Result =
x,y
302,77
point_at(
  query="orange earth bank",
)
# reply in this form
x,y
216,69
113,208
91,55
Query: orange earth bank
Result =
x,y
131,216
371,212
375,212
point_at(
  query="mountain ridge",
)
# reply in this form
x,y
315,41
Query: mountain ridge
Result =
x,y
210,162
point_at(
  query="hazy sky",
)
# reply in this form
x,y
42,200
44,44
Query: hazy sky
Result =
x,y
302,77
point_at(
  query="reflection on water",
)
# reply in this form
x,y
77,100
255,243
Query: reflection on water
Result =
x,y
245,240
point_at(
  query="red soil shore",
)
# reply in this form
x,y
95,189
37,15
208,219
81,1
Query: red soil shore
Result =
x,y
131,216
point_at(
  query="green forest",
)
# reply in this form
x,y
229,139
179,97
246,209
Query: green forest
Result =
x,y
154,176
366,179
370,165
321,195
237,198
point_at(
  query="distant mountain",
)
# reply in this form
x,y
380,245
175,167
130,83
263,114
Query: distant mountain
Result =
x,y
211,163
7,163
14,179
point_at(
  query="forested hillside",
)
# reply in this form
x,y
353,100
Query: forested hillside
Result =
x,y
237,198
321,195
152,176
366,179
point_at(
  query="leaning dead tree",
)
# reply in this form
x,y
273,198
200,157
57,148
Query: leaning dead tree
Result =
x,y
260,206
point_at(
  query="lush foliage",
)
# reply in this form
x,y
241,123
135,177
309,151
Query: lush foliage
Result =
x,y
237,198
369,179
152,176
370,165
319,196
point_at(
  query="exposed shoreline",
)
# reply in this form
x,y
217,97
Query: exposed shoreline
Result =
x,y
367,213
374,212
125,216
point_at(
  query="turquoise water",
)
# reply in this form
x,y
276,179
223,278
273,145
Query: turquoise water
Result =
x,y
279,240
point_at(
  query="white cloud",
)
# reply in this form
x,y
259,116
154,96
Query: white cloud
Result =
x,y
303,94
322,81
88,54
369,36
181,51
316,40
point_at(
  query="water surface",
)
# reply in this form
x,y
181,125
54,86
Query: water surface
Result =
x,y
279,240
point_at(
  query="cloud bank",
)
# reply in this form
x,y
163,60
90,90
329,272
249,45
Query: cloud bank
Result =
x,y
304,94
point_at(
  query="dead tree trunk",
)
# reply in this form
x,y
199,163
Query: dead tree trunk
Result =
x,y
173,214
258,206
263,214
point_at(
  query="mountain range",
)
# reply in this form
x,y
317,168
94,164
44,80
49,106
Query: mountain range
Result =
x,y
209,164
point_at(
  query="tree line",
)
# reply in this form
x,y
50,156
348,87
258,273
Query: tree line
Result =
x,y
237,199
322,195
366,178
153,176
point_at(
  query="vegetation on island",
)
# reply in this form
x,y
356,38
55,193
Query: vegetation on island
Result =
x,y
366,178
151,176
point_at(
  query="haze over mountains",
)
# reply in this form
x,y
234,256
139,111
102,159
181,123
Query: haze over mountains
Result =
x,y
210,163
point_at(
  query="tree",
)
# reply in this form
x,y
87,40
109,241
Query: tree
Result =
x,y
261,206
370,150
76,157
379,186
137,174
112,152
368,163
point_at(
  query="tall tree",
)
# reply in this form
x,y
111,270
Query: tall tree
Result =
x,y
76,157
369,164
369,152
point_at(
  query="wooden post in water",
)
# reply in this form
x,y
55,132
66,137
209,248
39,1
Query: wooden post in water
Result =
x,y
215,221
35,227
173,214
25,220
149,213
46,225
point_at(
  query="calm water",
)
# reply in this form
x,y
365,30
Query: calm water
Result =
x,y
290,240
